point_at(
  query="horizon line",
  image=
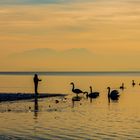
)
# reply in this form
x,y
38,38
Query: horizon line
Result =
x,y
72,71
69,73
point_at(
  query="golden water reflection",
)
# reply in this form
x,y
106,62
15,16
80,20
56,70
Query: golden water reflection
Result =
x,y
74,117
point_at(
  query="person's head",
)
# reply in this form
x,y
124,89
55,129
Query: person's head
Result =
x,y
35,75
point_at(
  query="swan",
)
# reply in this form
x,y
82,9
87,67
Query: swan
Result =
x,y
122,86
133,83
92,94
114,94
76,91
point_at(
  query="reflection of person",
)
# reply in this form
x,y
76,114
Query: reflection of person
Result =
x,y
36,80
36,108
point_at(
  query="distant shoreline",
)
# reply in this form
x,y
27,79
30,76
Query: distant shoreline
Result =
x,y
70,73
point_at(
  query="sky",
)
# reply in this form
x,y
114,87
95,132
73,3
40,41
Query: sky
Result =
x,y
94,35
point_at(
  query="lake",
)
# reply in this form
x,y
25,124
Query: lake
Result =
x,y
67,120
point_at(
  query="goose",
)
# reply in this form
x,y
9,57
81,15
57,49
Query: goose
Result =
x,y
114,94
76,91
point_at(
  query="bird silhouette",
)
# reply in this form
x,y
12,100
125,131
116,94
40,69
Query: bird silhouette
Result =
x,y
56,101
122,86
92,94
76,91
114,94
133,83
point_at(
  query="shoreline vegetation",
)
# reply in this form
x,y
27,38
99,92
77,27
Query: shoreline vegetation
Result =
x,y
26,96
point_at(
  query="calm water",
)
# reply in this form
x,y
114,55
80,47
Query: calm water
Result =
x,y
65,120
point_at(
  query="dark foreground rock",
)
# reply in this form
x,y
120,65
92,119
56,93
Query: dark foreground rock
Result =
x,y
25,96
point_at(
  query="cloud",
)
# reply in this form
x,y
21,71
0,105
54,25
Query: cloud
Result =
x,y
16,2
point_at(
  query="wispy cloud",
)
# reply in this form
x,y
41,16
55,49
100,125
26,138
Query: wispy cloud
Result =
x,y
26,2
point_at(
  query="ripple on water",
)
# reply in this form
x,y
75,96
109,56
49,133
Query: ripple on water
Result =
x,y
96,120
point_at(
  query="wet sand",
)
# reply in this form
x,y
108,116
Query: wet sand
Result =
x,y
26,96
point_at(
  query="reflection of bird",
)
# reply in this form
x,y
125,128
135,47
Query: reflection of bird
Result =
x,y
75,99
76,91
122,86
133,83
92,94
114,94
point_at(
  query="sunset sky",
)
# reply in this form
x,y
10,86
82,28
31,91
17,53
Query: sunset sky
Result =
x,y
69,35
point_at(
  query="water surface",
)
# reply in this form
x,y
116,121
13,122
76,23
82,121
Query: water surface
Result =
x,y
65,120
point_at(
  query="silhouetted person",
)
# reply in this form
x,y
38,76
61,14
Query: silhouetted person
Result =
x,y
36,80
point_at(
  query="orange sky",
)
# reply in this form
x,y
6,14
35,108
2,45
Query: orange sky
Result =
x,y
108,29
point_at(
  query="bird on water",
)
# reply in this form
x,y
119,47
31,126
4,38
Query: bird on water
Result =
x,y
92,94
76,90
133,83
122,86
114,94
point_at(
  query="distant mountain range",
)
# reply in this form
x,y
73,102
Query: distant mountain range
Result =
x,y
47,52
45,58
70,59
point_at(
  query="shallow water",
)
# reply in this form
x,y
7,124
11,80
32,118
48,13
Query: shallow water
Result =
x,y
98,119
